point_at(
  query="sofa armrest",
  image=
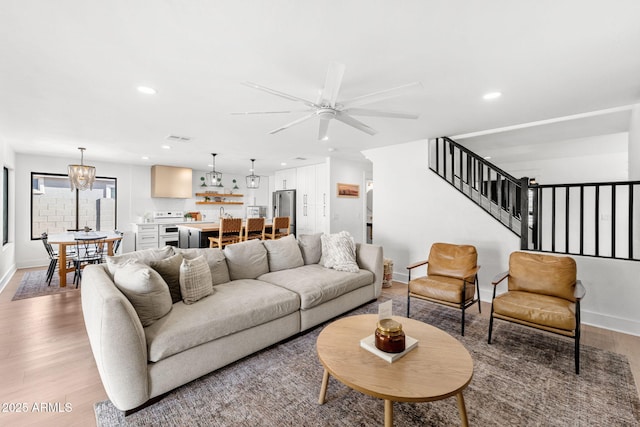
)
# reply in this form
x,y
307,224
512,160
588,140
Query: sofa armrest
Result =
x,y
580,291
370,257
117,339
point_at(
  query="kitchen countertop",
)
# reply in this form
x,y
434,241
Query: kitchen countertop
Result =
x,y
208,226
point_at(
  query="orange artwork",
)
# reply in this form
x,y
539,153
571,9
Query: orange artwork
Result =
x,y
348,190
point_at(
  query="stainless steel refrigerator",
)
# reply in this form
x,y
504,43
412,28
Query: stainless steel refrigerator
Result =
x,y
284,204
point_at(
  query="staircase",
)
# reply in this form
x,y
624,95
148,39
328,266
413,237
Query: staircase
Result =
x,y
591,219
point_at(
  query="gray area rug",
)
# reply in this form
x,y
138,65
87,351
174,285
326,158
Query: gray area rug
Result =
x,y
525,378
33,284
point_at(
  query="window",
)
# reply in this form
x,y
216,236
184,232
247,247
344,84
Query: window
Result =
x,y
55,208
5,206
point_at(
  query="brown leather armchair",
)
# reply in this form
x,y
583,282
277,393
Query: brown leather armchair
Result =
x,y
452,278
543,293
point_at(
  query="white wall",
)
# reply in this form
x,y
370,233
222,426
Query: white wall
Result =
x,y
7,252
603,167
348,213
414,208
634,144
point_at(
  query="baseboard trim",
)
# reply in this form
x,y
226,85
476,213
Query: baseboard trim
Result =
x,y
7,277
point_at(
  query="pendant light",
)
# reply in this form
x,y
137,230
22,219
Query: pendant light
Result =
x,y
214,179
253,180
81,176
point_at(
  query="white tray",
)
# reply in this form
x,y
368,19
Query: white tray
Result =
x,y
369,343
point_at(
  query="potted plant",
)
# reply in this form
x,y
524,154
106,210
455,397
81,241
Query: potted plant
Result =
x,y
204,184
187,216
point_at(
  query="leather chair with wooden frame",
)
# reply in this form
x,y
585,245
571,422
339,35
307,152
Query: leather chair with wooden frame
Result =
x,y
230,232
543,293
451,280
280,228
254,229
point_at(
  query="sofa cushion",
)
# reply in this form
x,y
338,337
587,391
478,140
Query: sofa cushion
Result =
x,y
145,256
316,284
195,280
169,269
543,274
283,253
556,313
339,252
246,260
215,258
145,289
310,247
235,306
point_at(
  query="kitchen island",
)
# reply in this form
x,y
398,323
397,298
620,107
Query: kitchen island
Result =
x,y
196,234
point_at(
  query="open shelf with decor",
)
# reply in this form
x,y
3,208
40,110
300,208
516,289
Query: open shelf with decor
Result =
x,y
218,199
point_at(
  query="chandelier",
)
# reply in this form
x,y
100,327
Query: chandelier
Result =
x,y
81,176
214,179
253,180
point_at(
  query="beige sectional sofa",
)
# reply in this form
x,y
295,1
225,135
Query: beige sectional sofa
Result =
x,y
262,293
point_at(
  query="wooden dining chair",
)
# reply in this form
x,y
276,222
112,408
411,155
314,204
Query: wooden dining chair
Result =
x,y
280,228
254,229
230,232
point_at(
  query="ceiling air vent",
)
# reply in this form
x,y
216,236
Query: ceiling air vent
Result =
x,y
178,138
300,158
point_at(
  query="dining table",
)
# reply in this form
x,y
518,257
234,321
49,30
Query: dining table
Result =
x,y
63,240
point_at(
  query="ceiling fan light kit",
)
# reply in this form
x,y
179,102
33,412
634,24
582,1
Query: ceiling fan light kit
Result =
x,y
327,108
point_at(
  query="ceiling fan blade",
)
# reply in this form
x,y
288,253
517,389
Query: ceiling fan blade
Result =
x,y
295,122
381,95
324,129
269,112
379,113
332,84
281,94
345,118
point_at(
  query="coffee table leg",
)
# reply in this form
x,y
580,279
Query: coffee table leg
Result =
x,y
463,410
388,413
323,389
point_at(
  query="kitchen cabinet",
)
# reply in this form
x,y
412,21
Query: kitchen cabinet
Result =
x,y
286,179
190,237
146,236
312,196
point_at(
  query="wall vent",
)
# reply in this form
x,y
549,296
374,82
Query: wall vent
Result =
x,y
178,138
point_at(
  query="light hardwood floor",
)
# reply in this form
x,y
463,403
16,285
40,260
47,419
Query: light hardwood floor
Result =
x,y
45,358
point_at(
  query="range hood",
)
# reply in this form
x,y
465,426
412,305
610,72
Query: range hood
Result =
x,y
172,182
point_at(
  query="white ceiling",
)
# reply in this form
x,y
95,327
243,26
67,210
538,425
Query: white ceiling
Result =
x,y
69,69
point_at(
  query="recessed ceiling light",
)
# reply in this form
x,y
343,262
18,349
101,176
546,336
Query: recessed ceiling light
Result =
x,y
210,165
166,147
146,90
145,157
491,95
283,164
325,138
331,149
487,157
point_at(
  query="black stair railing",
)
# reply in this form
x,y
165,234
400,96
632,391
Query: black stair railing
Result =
x,y
594,219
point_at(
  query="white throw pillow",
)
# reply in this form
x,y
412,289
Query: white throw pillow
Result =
x,y
283,253
145,289
339,252
195,279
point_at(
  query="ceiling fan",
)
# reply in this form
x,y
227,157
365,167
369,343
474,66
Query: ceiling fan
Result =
x,y
327,107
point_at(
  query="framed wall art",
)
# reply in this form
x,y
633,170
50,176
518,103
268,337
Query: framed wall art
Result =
x,y
348,190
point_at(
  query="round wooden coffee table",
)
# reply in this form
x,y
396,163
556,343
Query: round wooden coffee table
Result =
x,y
438,368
